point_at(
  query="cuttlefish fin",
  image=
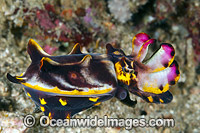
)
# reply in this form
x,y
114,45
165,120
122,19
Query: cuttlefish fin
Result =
x,y
35,51
76,49
48,64
86,60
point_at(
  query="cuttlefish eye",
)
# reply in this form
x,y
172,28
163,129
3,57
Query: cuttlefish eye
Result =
x,y
127,70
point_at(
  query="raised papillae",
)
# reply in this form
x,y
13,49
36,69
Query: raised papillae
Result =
x,y
62,86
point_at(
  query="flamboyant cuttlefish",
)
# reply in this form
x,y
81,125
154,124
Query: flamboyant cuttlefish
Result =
x,y
62,86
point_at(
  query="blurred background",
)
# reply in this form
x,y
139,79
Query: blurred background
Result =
x,y
57,25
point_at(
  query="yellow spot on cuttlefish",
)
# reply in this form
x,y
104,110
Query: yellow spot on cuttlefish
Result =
x,y
68,116
42,108
29,94
63,103
42,101
161,100
96,104
93,99
177,78
75,92
150,99
166,88
50,116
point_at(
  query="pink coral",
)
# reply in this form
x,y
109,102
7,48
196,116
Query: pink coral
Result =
x,y
49,49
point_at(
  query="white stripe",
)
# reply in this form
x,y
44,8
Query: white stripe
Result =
x,y
63,82
35,81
